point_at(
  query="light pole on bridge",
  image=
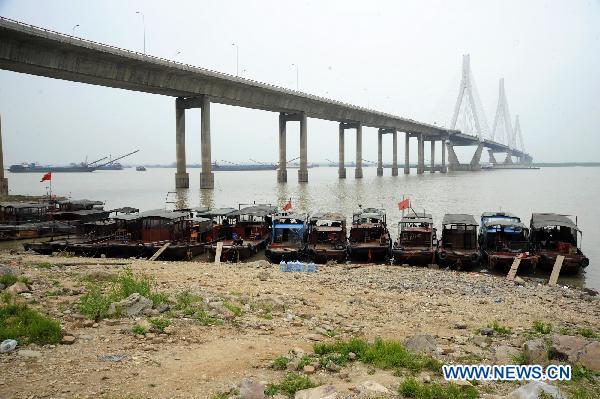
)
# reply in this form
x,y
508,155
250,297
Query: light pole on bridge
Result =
x,y
144,27
73,31
237,59
296,65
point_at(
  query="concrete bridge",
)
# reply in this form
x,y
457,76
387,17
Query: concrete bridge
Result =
x,y
37,51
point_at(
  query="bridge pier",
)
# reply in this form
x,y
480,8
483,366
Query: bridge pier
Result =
x,y
453,163
476,160
341,155
444,169
508,159
406,153
3,180
421,154
303,171
432,167
182,178
358,172
379,152
395,153
207,177
282,169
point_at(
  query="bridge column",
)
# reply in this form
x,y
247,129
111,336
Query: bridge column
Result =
x,y
341,167
207,177
432,167
182,178
508,159
379,153
453,163
421,155
395,153
3,180
444,170
492,157
475,161
406,153
358,172
282,169
303,171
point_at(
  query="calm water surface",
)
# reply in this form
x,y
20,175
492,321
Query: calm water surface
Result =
x,y
572,190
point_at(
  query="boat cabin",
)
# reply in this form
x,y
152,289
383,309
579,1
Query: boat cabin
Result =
x,y
503,234
19,212
327,228
155,225
368,224
459,232
288,229
251,223
416,230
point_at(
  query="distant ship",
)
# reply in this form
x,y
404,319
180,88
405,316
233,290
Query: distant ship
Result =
x,y
230,166
73,167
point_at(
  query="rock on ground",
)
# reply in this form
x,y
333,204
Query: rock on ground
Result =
x,y
18,288
322,392
536,351
135,304
251,390
422,343
577,350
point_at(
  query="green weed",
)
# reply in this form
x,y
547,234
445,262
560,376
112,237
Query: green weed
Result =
x,y
500,329
26,325
411,388
291,383
280,363
159,324
137,329
236,310
8,279
541,327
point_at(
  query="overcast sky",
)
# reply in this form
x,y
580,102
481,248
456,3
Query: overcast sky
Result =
x,y
402,57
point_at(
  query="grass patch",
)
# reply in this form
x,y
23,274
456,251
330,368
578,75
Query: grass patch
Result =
x,y
43,265
587,333
95,303
289,385
205,319
159,324
520,358
411,388
220,395
381,354
500,329
8,279
236,310
137,329
542,328
280,363
26,325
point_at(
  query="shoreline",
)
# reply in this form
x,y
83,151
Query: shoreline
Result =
x,y
277,313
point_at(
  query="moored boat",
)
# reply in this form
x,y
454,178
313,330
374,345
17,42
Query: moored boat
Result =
x,y
458,247
502,237
243,232
135,235
327,237
417,242
288,237
552,235
369,236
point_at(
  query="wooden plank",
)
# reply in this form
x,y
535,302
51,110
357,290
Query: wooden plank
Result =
x,y
513,269
556,270
218,252
160,251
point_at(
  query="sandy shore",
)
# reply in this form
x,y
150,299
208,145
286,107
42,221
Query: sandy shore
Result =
x,y
279,312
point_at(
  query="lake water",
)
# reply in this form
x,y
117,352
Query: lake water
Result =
x,y
568,190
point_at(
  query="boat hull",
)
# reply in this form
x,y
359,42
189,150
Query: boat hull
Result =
x,y
324,255
572,263
235,253
416,257
460,260
502,261
276,255
369,252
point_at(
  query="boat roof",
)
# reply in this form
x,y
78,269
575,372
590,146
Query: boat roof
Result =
x,y
328,228
205,212
417,218
540,220
370,212
459,218
283,215
126,209
499,214
333,216
22,205
504,223
84,202
155,213
255,210
82,212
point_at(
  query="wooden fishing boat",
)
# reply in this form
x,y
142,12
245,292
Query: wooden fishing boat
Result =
x,y
327,237
502,237
288,237
28,220
137,235
458,247
417,242
243,232
553,235
369,236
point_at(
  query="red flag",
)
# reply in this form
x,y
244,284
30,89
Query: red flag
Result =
x,y
404,204
47,176
288,206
